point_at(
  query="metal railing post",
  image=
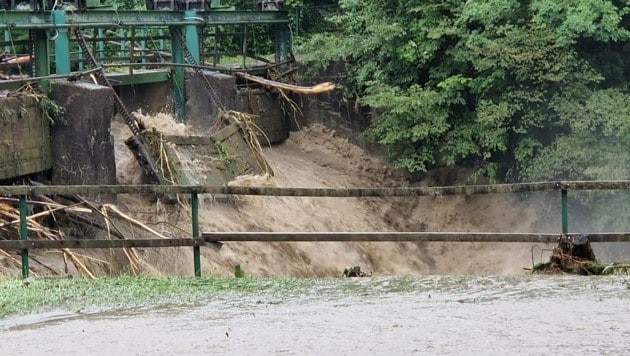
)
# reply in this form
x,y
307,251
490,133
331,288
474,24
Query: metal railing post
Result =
x,y
564,212
24,234
194,202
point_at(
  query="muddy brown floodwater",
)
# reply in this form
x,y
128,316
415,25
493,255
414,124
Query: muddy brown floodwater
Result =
x,y
537,315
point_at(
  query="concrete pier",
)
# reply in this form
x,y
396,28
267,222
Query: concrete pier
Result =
x,y
82,147
265,105
201,112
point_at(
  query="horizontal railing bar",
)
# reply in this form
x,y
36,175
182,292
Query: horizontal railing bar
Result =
x,y
404,236
210,237
91,243
316,192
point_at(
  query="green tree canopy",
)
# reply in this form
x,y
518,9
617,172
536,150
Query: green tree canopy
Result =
x,y
525,90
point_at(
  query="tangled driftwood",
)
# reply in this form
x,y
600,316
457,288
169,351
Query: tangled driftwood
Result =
x,y
46,221
572,256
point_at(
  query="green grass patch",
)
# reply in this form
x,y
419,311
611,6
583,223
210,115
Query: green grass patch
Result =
x,y
18,297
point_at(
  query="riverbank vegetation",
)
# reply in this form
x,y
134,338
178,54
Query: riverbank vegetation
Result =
x,y
522,91
19,296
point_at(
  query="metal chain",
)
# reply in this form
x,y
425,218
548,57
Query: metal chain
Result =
x,y
102,79
31,38
176,33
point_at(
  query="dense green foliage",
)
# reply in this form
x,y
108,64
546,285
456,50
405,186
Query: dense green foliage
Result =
x,y
522,90
525,90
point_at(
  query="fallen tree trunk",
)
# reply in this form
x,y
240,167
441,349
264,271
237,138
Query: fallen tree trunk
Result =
x,y
315,89
82,218
15,62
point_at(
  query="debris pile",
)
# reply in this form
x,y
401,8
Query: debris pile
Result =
x,y
68,217
354,272
231,151
575,256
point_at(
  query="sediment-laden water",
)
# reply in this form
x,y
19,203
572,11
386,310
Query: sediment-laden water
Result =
x,y
555,315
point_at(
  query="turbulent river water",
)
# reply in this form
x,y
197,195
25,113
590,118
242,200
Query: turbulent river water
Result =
x,y
495,315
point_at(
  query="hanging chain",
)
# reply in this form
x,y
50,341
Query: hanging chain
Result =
x,y
102,79
176,34
31,38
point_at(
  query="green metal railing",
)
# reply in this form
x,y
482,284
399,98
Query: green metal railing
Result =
x,y
199,239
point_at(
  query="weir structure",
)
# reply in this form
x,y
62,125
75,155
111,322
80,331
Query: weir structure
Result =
x,y
199,239
173,56
143,43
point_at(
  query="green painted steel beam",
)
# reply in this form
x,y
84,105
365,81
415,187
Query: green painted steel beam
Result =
x,y
139,77
178,80
7,40
62,44
283,42
192,37
106,18
42,58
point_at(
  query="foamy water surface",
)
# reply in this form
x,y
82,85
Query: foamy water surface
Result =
x,y
559,315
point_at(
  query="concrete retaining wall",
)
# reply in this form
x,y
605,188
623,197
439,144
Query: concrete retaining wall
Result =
x,y
24,138
150,98
330,109
268,114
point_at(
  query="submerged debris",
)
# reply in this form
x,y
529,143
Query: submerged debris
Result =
x,y
238,272
353,272
618,268
69,217
573,256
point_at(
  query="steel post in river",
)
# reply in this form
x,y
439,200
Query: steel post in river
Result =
x,y
565,212
194,202
23,234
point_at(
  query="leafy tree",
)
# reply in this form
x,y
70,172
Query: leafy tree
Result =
x,y
523,90
494,83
